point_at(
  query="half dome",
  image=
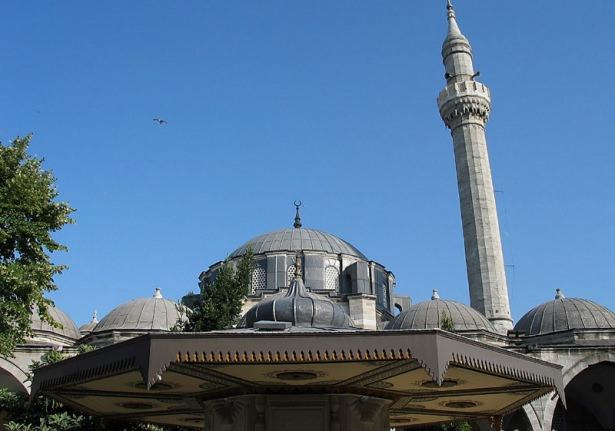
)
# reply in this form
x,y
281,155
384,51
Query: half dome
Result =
x,y
563,314
429,314
68,328
298,239
143,314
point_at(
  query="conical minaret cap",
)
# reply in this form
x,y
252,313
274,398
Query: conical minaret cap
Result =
x,y
454,32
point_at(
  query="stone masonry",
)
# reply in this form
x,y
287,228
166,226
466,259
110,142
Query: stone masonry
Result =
x,y
464,106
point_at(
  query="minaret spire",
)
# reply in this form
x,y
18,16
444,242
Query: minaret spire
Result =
x,y
453,27
465,105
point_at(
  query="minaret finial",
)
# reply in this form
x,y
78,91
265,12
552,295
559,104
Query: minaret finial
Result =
x,y
453,27
297,224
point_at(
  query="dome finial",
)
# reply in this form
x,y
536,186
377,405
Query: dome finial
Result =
x,y
95,317
435,295
157,293
559,294
297,224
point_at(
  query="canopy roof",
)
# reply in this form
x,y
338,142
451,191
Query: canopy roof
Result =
x,y
430,376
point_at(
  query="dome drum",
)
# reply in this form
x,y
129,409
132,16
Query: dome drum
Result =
x,y
337,275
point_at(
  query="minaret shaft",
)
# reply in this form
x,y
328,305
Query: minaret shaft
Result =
x,y
481,232
465,105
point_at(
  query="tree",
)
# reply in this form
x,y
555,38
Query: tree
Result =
x,y
220,302
446,323
29,214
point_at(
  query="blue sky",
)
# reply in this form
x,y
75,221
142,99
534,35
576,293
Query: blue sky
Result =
x,y
332,103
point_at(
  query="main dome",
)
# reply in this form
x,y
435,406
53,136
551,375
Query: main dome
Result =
x,y
563,314
428,315
298,239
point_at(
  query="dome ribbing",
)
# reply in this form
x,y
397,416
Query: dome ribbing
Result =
x,y
428,315
563,314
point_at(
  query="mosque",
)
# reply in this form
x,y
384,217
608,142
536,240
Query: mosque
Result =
x,y
345,288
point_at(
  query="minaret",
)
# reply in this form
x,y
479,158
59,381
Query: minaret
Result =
x,y
464,106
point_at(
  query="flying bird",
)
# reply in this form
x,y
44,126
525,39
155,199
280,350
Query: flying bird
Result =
x,y
161,121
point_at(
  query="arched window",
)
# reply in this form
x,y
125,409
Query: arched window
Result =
x,y
332,278
259,279
398,309
290,274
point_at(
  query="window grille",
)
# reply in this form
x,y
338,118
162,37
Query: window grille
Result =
x,y
332,278
291,271
259,279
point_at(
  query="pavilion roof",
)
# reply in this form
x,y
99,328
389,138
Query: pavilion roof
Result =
x,y
430,375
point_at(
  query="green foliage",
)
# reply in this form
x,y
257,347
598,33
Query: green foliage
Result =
x,y
85,348
451,426
456,426
10,401
29,214
220,302
446,323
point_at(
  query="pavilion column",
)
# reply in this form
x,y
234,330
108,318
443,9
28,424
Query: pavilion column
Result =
x,y
298,412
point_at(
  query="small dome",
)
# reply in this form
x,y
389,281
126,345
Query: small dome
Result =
x,y
143,314
89,327
300,308
296,240
428,315
68,328
563,314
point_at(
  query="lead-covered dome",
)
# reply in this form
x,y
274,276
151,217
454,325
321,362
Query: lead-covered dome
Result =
x,y
143,314
300,308
298,239
563,314
429,315
67,328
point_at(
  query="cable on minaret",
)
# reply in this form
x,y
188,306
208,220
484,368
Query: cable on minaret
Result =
x,y
297,223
